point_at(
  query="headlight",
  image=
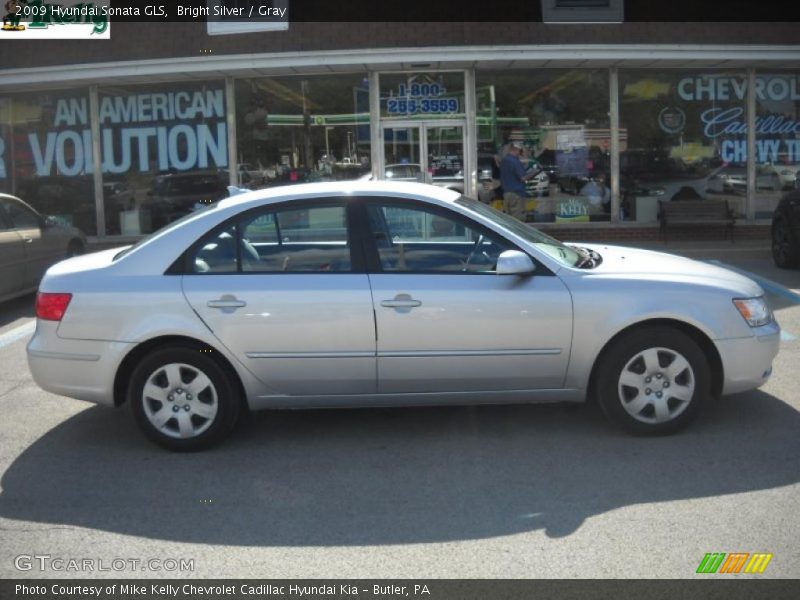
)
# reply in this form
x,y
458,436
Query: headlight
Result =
x,y
753,310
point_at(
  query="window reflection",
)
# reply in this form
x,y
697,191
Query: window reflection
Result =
x,y
295,130
561,119
685,140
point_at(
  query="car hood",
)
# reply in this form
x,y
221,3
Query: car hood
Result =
x,y
651,265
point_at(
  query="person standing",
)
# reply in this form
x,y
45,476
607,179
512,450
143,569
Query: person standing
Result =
x,y
512,180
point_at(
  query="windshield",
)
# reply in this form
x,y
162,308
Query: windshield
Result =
x,y
561,252
165,228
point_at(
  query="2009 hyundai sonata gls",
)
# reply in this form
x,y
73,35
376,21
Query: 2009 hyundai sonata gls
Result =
x,y
378,294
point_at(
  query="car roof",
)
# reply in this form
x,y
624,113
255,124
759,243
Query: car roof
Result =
x,y
17,199
354,187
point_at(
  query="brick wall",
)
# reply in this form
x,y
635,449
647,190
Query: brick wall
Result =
x,y
139,41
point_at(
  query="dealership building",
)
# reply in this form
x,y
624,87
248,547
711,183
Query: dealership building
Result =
x,y
120,136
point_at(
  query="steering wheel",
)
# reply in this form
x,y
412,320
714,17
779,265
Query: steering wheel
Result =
x,y
250,255
473,251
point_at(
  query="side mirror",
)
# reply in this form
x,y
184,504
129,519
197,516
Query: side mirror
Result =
x,y
514,262
49,221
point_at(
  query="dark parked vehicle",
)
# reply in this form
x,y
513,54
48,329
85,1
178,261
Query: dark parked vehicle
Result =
x,y
69,199
786,231
175,194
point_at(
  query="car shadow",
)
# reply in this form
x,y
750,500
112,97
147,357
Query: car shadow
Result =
x,y
18,308
392,476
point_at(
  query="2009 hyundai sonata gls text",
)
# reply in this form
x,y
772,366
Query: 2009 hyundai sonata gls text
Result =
x,y
387,294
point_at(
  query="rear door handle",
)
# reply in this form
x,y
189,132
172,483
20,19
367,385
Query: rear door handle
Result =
x,y
226,301
401,301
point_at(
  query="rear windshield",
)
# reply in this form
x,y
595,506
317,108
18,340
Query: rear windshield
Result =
x,y
164,229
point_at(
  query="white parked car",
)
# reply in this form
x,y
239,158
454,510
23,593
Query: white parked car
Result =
x,y
539,185
777,177
733,180
367,293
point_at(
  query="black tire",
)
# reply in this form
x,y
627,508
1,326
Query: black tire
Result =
x,y
221,396
625,358
75,248
785,248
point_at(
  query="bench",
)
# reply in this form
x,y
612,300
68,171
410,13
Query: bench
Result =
x,y
677,213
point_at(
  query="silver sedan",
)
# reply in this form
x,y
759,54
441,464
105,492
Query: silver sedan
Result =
x,y
386,294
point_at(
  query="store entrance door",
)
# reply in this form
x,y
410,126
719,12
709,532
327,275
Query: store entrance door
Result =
x,y
425,151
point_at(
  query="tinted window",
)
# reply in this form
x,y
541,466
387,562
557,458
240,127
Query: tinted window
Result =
x,y
4,222
20,216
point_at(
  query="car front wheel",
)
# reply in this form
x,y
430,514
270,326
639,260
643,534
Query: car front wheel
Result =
x,y
653,381
183,399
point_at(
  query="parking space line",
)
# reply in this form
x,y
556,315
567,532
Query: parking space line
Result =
x,y
17,333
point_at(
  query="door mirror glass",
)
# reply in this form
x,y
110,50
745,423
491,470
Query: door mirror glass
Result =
x,y
514,262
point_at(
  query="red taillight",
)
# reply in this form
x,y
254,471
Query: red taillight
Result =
x,y
51,307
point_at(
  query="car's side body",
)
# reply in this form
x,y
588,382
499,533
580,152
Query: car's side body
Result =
x,y
314,340
29,244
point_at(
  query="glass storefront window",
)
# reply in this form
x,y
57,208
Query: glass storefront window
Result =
x,y
422,96
423,127
302,129
561,119
777,139
46,155
686,139
164,153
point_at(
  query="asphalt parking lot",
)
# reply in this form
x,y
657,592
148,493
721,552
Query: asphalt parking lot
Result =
x,y
517,491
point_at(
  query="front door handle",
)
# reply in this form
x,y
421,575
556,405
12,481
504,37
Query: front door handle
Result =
x,y
227,301
401,301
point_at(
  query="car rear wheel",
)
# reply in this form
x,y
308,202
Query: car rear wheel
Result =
x,y
785,251
653,381
183,399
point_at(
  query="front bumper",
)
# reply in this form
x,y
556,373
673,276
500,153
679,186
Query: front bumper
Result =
x,y
747,362
82,369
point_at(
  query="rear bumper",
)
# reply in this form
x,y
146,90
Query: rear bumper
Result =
x,y
747,362
79,369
